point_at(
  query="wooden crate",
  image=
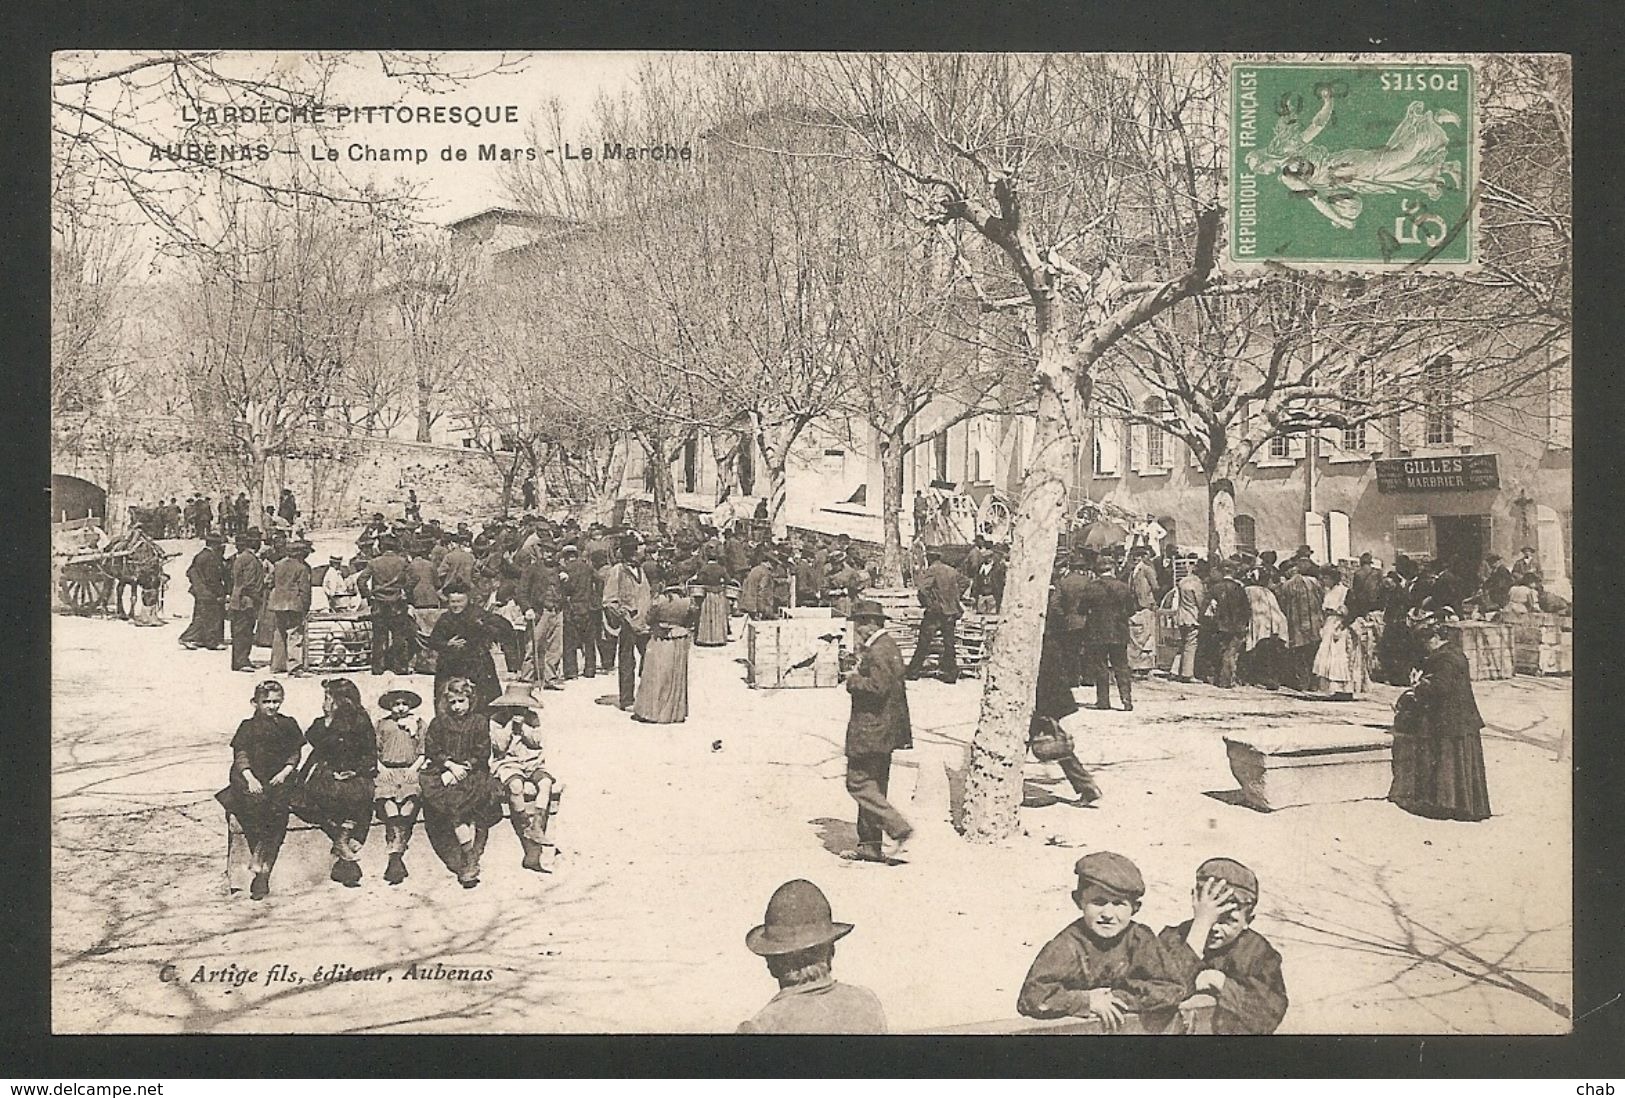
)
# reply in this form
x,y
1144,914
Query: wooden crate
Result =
x,y
337,643
1319,764
1488,647
904,614
794,652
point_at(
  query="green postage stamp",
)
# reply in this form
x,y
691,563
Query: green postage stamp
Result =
x,y
1353,165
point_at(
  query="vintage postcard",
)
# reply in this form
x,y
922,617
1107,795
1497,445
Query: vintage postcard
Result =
x,y
811,543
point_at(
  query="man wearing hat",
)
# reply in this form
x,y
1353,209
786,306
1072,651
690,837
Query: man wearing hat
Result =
x,y
247,593
288,604
941,590
1222,960
626,599
879,725
207,576
582,613
797,937
383,584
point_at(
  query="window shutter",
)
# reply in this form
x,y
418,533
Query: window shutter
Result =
x,y
1559,409
1136,446
1296,446
1412,425
1108,446
1466,426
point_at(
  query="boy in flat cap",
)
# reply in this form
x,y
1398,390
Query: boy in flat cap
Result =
x,y
1104,966
1218,954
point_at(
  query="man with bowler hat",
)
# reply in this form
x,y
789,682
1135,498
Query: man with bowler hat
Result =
x,y
207,575
247,593
797,937
879,725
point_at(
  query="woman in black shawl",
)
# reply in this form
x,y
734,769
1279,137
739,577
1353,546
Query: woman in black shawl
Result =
x,y
338,787
462,640
1438,751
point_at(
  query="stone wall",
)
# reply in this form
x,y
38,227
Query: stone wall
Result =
x,y
337,481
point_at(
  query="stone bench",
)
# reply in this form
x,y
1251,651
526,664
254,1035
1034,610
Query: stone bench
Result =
x,y
1315,764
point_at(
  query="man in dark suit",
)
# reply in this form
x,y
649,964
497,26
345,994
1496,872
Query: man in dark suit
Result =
x,y
941,589
1232,617
289,603
383,584
879,725
207,576
1106,605
247,594
1069,588
582,610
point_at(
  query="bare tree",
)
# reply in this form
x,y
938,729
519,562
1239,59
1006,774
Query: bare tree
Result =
x,y
1054,161
922,357
164,129
1365,363
278,318
428,281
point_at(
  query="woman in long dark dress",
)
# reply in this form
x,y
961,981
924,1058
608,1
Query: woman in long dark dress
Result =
x,y
662,695
713,577
1438,750
338,783
460,798
264,756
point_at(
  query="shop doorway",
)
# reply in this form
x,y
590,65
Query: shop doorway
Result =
x,y
1461,541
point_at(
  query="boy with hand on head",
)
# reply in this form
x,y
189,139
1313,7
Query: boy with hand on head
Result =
x,y
1218,954
1105,965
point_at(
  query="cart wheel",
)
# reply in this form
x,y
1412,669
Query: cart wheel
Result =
x,y
84,595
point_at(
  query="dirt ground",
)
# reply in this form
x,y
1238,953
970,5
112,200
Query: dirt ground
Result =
x,y
673,837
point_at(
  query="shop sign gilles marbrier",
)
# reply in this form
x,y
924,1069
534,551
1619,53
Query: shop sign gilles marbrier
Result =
x,y
1461,472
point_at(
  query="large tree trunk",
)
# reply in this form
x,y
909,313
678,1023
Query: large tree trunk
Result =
x,y
608,491
1221,516
776,442
725,450
893,452
998,752
665,487
425,416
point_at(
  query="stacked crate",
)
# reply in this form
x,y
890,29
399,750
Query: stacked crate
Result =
x,y
337,642
1488,647
903,617
1543,644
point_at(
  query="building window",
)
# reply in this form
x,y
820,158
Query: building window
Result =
x,y
1356,389
1156,443
1246,533
1413,536
939,456
1280,448
1438,399
1107,436
691,465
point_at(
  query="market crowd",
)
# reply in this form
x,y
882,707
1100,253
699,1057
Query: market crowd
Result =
x,y
556,601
